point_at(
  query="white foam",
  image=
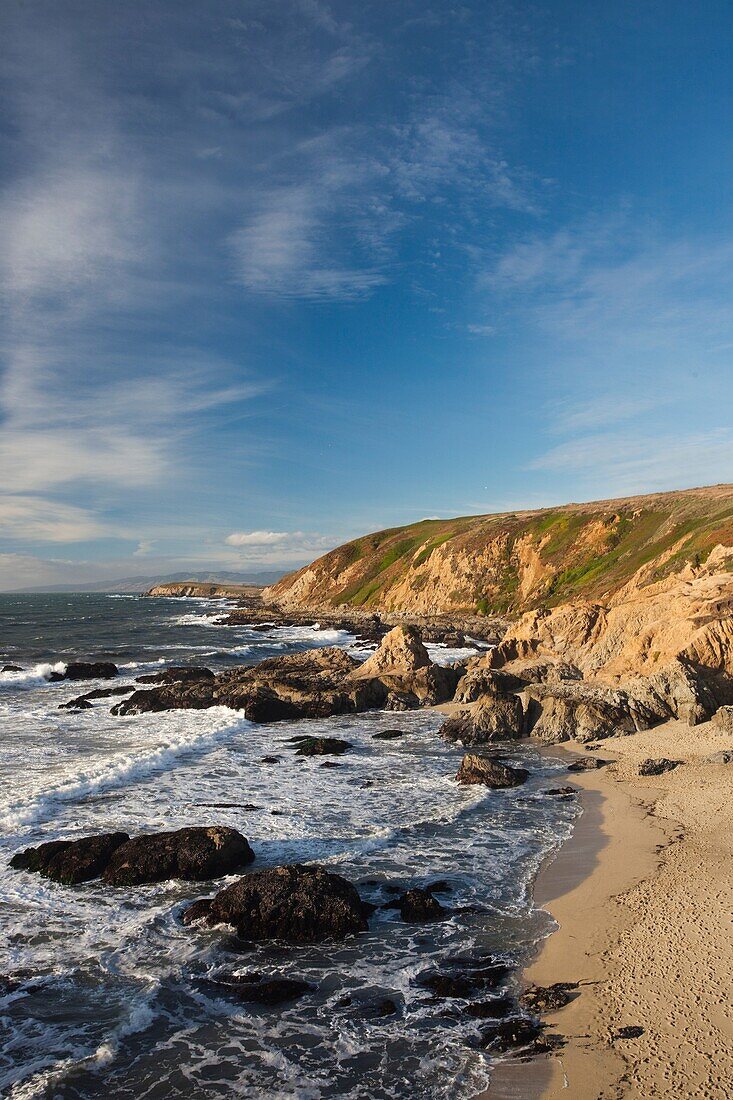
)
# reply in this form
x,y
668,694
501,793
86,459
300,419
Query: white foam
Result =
x,y
122,769
32,677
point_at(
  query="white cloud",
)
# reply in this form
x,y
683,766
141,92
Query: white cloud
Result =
x,y
34,519
262,538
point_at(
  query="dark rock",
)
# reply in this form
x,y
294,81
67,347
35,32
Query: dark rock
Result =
x,y
386,1007
255,989
658,767
539,999
631,1032
387,735
71,861
560,790
440,886
295,903
270,760
490,773
177,674
90,670
465,983
513,1034
191,854
195,695
587,764
330,764
76,704
322,746
11,668
497,1009
418,905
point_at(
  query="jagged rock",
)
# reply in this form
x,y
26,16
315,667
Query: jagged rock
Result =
x,y
490,773
322,746
496,718
76,704
560,791
71,861
192,854
481,678
83,702
401,700
401,651
254,988
197,695
674,691
657,767
539,999
584,712
11,668
587,764
89,670
295,903
723,719
177,674
387,735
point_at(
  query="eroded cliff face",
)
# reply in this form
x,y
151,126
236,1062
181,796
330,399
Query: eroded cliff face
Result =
x,y
511,563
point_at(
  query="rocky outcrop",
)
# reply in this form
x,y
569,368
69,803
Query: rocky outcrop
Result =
x,y
70,861
86,670
321,746
295,903
489,773
497,717
657,767
418,904
578,711
315,684
193,854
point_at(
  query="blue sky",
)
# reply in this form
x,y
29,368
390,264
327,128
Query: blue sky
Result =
x,y
277,273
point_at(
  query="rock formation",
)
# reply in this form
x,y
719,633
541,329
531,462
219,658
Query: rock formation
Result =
x,y
295,903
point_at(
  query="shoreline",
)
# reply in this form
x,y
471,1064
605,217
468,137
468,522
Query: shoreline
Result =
x,y
642,903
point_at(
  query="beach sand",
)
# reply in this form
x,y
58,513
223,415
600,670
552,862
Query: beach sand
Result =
x,y
643,897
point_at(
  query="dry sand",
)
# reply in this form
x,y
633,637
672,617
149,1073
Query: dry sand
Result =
x,y
643,896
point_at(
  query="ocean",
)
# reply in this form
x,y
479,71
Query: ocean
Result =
x,y
104,993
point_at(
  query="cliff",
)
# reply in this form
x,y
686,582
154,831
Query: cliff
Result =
x,y
510,563
205,590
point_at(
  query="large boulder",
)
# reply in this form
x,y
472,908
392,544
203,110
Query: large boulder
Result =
x,y
401,651
89,670
70,861
723,719
674,691
177,674
295,903
584,712
489,773
192,854
496,718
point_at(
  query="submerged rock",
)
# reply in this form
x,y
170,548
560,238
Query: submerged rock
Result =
x,y
490,773
322,746
388,735
294,903
518,1033
11,668
418,904
192,854
465,981
71,861
255,988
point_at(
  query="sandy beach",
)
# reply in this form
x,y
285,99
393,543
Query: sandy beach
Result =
x,y
643,897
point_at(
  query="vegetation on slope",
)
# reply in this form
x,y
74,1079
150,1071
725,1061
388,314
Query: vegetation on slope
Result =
x,y
498,564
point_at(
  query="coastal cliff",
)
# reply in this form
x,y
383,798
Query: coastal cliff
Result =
x,y
202,590
510,563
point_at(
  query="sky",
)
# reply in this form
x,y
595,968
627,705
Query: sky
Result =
x,y
276,273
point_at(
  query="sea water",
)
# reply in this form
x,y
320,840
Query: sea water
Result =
x,y
104,993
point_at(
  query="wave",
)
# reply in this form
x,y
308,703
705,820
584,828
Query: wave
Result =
x,y
122,770
31,677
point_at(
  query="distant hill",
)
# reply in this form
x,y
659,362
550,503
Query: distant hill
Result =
x,y
516,561
134,585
